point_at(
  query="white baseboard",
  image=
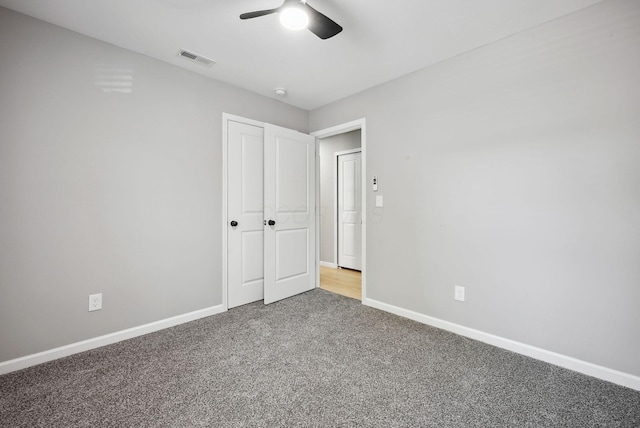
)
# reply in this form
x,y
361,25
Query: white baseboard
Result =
x,y
600,372
328,264
107,339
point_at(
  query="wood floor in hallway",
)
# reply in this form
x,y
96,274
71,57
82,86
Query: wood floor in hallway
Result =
x,y
346,282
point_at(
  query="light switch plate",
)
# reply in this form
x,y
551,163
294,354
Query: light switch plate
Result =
x,y
378,201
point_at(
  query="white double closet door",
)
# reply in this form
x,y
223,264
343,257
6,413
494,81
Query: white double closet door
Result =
x,y
270,213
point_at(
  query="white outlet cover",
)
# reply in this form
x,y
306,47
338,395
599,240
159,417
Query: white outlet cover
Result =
x,y
379,201
459,293
95,302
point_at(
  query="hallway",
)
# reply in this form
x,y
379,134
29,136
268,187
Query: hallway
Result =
x,y
345,282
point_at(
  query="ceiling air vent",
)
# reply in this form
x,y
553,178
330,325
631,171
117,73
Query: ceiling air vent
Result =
x,y
202,60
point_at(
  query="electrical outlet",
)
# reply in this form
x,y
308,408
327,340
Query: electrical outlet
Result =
x,y
95,302
458,293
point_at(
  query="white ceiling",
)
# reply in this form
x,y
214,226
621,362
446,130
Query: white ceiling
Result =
x,y
382,39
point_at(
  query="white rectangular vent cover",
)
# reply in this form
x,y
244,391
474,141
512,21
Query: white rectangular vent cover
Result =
x,y
191,56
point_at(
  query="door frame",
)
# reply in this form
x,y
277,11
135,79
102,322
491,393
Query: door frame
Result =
x,y
360,124
335,199
226,117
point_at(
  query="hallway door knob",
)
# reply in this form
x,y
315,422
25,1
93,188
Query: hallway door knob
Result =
x,y
272,223
233,223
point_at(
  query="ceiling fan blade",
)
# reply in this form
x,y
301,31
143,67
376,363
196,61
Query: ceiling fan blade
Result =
x,y
258,13
321,25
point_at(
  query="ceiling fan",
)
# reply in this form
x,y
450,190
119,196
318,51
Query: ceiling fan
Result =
x,y
297,14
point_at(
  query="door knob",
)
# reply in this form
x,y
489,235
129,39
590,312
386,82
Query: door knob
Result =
x,y
233,223
272,223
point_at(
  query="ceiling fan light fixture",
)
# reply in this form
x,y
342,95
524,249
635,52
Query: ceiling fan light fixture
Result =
x,y
294,18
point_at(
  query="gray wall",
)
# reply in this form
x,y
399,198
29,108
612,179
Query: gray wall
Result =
x,y
511,170
328,146
111,192
514,170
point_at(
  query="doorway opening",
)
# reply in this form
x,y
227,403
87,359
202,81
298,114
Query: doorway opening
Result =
x,y
341,232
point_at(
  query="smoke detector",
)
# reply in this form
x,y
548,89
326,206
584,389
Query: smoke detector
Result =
x,y
197,58
281,92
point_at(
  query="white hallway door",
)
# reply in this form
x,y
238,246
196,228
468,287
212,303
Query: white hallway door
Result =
x,y
270,212
350,211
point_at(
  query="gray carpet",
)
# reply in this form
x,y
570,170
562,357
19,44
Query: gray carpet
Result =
x,y
314,360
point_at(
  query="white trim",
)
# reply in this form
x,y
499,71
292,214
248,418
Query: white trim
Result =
x,y
360,124
335,209
328,264
363,171
225,138
589,369
347,152
107,339
336,213
317,261
226,117
340,129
